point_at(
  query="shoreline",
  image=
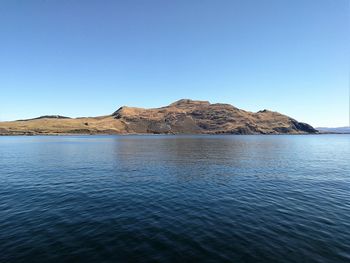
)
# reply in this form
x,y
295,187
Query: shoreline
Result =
x,y
164,134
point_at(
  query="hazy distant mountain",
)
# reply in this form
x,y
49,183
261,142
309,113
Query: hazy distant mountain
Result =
x,y
181,117
334,130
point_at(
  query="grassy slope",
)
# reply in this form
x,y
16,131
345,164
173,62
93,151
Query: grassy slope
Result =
x,y
104,124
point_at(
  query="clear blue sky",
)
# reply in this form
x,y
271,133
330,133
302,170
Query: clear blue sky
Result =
x,y
87,58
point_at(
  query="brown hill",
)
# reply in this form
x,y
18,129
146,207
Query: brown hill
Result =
x,y
181,117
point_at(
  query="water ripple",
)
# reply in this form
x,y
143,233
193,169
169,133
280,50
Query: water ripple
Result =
x,y
175,199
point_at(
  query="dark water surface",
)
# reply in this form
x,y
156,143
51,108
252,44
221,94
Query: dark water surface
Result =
x,y
175,199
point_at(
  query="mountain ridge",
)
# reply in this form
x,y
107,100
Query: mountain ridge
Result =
x,y
337,130
184,116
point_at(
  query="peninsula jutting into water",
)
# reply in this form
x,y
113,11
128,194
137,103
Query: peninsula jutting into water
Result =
x,y
181,117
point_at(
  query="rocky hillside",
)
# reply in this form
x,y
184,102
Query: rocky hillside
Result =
x,y
188,116
181,117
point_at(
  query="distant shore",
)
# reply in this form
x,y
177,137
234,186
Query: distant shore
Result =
x,y
164,134
184,116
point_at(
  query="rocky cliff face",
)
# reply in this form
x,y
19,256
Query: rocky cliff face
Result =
x,y
188,116
181,117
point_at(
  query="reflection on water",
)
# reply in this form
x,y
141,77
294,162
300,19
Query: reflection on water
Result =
x,y
175,198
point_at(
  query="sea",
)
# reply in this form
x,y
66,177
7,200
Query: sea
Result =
x,y
175,198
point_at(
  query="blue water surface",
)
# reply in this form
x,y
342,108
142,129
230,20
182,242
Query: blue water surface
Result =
x,y
175,198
